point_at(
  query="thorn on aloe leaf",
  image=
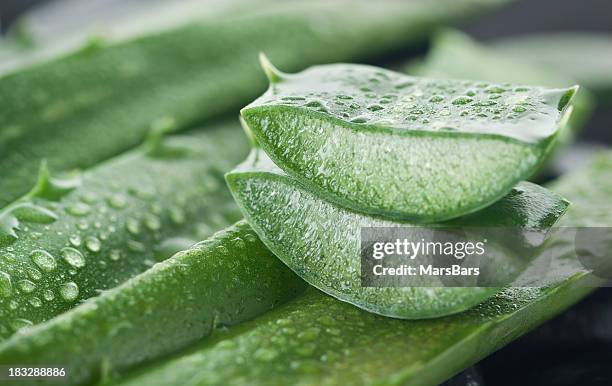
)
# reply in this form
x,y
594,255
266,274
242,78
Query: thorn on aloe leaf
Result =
x,y
50,188
248,132
273,74
155,144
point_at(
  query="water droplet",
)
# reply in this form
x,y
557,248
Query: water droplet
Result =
x,y
114,255
136,246
142,193
78,209
375,107
495,90
132,225
9,257
177,215
519,109
265,354
152,222
462,100
117,201
48,295
359,120
35,302
83,225
75,240
93,244
89,197
156,208
309,334
485,103
69,291
6,287
34,274
26,286
43,260
436,98
73,257
313,104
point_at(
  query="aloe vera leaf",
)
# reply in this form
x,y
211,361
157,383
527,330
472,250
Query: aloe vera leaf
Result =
x,y
388,144
315,340
87,106
456,55
584,56
224,280
69,239
320,241
51,29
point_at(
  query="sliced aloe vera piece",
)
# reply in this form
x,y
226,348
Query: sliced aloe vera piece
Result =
x,y
315,340
69,239
584,56
99,100
226,279
320,241
385,143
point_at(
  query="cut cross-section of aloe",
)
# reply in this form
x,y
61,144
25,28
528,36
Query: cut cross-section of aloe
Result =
x,y
320,241
420,149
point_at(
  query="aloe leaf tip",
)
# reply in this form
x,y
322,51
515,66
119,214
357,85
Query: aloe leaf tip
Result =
x,y
273,74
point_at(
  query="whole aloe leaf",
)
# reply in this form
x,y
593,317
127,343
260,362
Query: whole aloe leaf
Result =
x,y
315,340
69,239
87,106
320,241
420,149
226,279
584,56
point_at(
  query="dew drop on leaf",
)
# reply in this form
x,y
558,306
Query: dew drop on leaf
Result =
x,y
73,257
43,259
69,291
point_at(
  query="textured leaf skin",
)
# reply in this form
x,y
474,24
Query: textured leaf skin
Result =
x,y
584,56
68,241
316,340
224,280
419,149
85,107
320,240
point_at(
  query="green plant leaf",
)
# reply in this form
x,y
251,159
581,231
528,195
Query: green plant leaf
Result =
x,y
226,279
91,104
584,56
316,340
70,238
320,241
388,144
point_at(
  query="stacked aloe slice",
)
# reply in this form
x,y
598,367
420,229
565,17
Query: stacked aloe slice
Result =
x,y
341,147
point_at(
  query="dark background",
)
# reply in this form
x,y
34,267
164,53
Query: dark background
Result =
x,y
576,347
